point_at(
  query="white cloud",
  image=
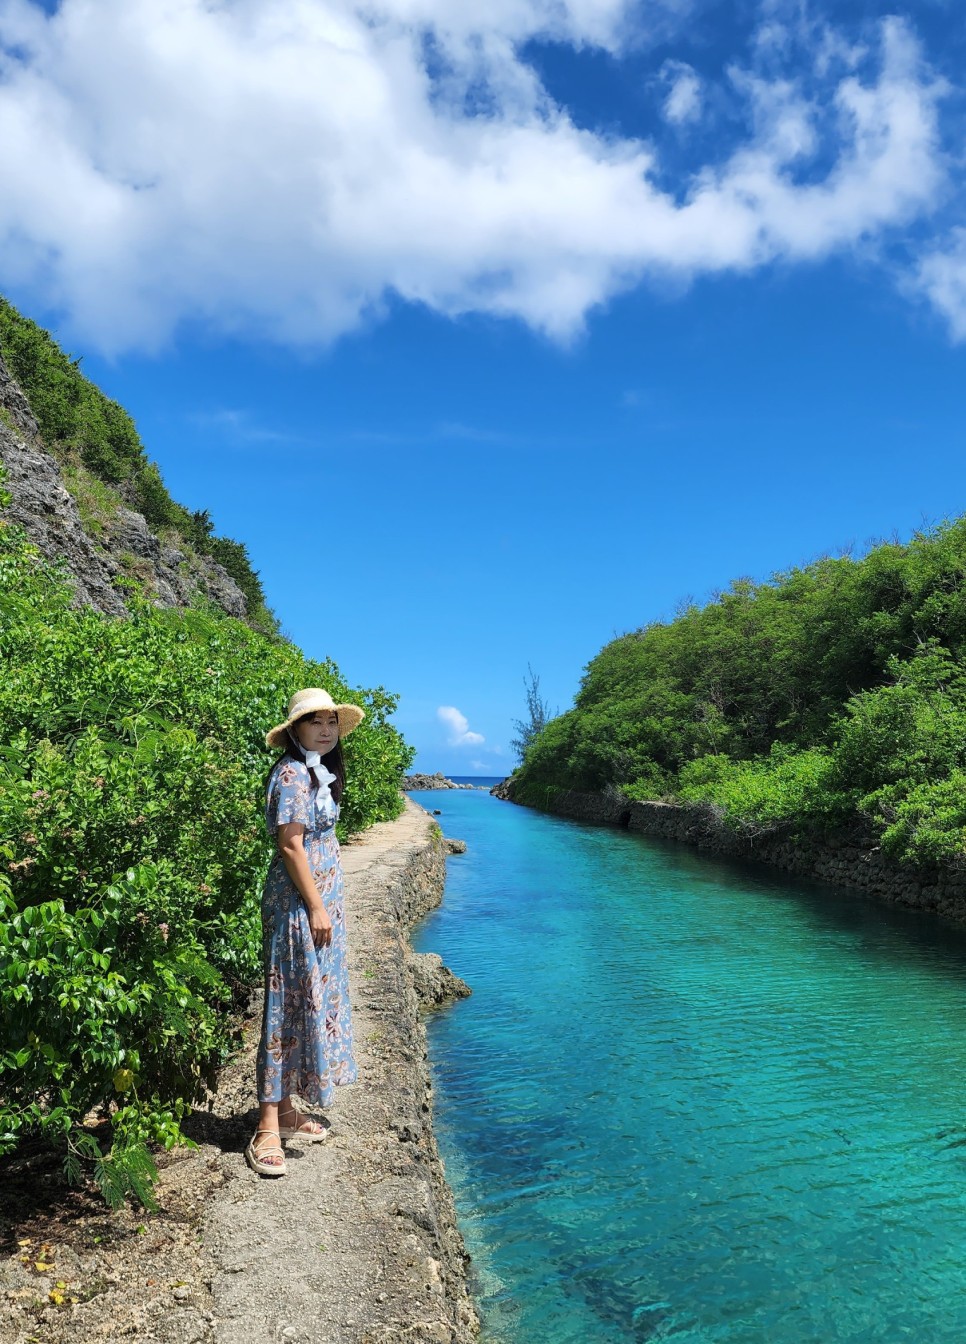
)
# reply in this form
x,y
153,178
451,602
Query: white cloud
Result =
x,y
458,727
942,278
279,168
683,101
239,428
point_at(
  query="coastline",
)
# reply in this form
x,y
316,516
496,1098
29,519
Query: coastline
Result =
x,y
419,783
357,1244
851,859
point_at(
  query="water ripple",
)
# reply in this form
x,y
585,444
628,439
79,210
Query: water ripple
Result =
x,y
687,1102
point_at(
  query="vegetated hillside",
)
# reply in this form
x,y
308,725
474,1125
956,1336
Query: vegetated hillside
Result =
x,y
132,773
833,694
120,495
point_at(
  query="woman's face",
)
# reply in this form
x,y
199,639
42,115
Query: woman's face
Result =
x,y
319,733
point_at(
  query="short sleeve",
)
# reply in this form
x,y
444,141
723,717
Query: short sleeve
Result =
x,y
289,796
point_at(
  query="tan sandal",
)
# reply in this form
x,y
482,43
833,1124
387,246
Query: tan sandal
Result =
x,y
256,1160
310,1130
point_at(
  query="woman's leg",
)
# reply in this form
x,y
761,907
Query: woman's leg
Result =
x,y
267,1136
293,1122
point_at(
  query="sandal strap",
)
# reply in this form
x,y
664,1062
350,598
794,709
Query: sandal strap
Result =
x,y
266,1148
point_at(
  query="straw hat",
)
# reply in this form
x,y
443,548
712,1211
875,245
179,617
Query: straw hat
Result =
x,y
312,701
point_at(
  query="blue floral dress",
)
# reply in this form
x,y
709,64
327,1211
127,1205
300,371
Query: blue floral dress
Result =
x,y
306,1044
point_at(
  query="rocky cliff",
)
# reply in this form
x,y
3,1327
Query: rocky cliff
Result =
x,y
124,549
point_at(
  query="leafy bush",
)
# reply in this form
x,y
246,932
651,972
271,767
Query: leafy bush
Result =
x,y
784,786
926,822
832,694
132,777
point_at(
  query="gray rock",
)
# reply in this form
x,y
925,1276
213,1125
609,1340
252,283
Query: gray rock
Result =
x,y
434,983
47,511
455,846
16,405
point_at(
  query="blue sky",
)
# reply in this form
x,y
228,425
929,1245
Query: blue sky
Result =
x,y
493,337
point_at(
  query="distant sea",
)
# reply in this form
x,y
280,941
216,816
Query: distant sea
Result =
x,y
486,781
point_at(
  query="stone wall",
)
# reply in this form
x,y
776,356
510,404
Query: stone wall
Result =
x,y
598,809
405,1194
850,859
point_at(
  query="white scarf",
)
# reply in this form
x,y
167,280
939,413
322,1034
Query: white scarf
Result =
x,y
323,777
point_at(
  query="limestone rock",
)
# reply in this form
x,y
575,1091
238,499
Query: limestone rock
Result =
x,y
47,511
16,405
434,983
165,569
44,508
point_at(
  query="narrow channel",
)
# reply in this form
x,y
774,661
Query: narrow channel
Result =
x,y
690,1100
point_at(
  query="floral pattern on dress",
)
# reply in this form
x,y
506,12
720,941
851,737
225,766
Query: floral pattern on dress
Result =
x,y
306,1043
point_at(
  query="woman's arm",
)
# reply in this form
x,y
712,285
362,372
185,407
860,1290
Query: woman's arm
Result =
x,y
292,850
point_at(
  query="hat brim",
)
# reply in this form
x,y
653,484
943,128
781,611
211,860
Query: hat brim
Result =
x,y
350,716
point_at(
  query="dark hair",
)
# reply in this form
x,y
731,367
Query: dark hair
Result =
x,y
333,760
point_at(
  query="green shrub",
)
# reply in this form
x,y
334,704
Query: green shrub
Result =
x,y
832,694
70,411
132,772
925,822
786,787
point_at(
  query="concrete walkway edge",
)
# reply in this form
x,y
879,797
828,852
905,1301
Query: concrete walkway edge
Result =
x,y
358,1243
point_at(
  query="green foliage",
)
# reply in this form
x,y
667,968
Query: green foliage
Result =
x,y
132,773
96,441
831,694
71,412
786,785
97,502
540,796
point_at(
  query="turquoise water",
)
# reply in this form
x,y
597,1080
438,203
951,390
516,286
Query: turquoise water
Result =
x,y
689,1101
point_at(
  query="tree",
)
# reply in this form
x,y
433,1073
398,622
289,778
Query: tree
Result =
x,y
538,715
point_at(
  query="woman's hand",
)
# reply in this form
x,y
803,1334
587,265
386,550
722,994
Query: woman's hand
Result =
x,y
291,848
320,925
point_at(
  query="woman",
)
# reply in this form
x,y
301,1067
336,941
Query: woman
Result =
x,y
306,1043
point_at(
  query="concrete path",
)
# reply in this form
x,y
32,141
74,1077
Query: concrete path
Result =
x,y
357,1244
